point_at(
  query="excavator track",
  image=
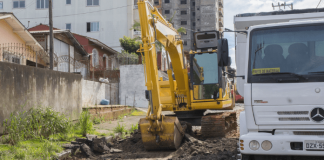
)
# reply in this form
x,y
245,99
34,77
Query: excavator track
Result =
x,y
218,124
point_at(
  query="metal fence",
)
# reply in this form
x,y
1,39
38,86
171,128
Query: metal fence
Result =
x,y
127,59
19,53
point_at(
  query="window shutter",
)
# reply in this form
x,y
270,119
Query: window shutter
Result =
x,y
88,27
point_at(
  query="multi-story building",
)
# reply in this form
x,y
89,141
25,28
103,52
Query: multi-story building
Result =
x,y
105,20
193,15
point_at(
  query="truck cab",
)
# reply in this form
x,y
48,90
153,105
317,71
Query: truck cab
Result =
x,y
282,62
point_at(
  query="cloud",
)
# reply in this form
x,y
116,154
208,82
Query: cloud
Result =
x,y
234,7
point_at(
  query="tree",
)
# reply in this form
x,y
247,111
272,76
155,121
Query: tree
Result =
x,y
130,45
136,26
181,30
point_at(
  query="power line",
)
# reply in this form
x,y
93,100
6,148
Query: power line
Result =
x,y
81,13
319,3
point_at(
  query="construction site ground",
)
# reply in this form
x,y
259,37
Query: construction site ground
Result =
x,y
132,147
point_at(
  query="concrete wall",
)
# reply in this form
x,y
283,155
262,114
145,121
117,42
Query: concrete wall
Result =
x,y
132,86
93,92
24,87
115,17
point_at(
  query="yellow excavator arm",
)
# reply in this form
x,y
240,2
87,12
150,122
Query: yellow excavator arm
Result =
x,y
158,131
165,132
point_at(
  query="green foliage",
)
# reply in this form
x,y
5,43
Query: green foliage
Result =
x,y
136,26
130,45
181,30
86,125
120,129
133,128
31,150
35,123
96,120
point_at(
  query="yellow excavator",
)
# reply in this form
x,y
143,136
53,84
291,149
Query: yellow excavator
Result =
x,y
188,95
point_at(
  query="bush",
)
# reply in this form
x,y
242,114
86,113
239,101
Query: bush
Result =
x,y
96,120
85,123
133,128
120,129
35,123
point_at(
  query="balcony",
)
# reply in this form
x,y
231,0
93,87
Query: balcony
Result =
x,y
221,12
220,19
221,24
220,3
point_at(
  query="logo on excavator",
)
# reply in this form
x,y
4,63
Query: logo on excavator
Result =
x,y
317,114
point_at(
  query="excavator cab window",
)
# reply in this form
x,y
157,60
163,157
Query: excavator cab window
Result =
x,y
204,76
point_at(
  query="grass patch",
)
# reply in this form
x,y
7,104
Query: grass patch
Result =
x,y
31,150
138,113
40,132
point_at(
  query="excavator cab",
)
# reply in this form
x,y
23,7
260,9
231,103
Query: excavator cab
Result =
x,y
207,64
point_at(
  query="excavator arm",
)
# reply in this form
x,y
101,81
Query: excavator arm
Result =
x,y
158,131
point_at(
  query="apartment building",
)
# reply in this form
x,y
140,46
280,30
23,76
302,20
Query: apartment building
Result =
x,y
194,15
105,20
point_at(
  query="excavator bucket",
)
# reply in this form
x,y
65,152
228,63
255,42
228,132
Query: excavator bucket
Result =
x,y
168,139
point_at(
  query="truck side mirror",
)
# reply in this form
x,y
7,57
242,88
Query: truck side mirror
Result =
x,y
223,56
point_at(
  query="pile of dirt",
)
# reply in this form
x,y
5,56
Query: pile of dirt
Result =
x,y
212,148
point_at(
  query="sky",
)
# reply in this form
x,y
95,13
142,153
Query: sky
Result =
x,y
234,7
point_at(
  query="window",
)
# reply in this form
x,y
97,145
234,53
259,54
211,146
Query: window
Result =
x,y
198,30
205,73
185,43
92,26
1,5
68,26
95,58
193,3
193,13
198,19
197,8
294,49
68,1
41,4
19,4
156,2
194,24
16,60
183,12
166,1
183,2
183,22
167,12
92,2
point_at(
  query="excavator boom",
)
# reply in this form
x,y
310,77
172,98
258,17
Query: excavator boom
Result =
x,y
178,94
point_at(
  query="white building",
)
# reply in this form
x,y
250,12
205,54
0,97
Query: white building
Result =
x,y
105,20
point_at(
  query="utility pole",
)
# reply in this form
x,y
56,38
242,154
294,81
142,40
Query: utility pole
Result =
x,y
51,34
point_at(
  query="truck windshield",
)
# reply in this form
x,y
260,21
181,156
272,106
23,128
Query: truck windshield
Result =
x,y
204,75
297,50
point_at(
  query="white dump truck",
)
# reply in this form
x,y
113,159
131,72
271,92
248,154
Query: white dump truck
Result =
x,y
280,62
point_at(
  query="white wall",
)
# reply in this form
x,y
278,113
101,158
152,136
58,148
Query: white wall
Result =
x,y
115,17
132,86
92,93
